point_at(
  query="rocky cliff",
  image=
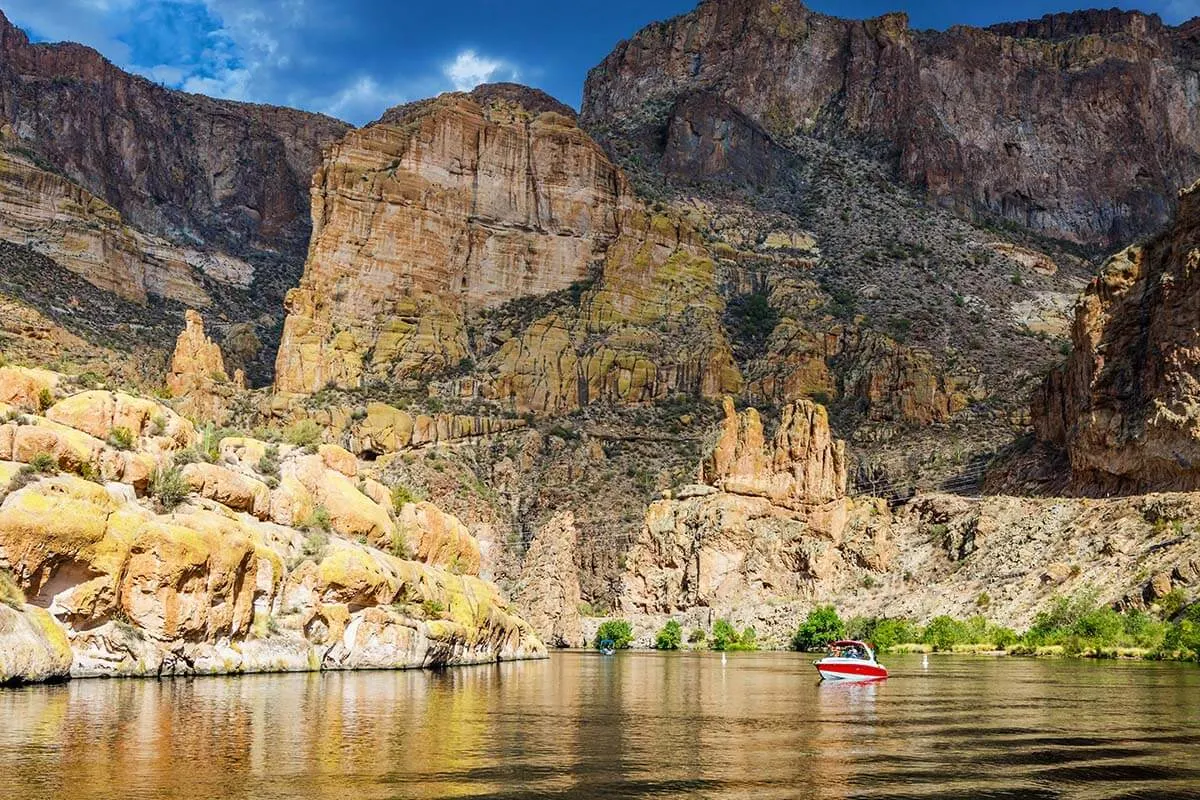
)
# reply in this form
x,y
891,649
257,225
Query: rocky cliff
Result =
x,y
770,519
1124,407
1080,126
451,208
131,544
146,191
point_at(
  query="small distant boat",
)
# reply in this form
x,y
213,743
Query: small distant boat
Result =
x,y
608,647
850,660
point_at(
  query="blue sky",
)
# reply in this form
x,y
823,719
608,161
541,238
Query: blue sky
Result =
x,y
355,58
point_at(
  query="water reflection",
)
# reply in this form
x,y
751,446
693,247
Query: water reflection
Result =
x,y
636,725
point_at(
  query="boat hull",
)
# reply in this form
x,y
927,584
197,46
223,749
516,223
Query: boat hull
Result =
x,y
844,669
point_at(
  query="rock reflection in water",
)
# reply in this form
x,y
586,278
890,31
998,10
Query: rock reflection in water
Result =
x,y
636,725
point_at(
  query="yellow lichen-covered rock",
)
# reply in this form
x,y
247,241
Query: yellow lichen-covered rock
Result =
x,y
339,459
55,528
71,449
436,537
8,471
238,492
24,387
33,647
98,413
385,429
243,449
291,503
195,574
351,512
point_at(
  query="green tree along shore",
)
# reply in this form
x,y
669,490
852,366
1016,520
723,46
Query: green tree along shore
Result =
x,y
1072,626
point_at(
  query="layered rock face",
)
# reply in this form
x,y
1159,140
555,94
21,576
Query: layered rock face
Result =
x,y
234,180
1125,407
1077,125
770,520
151,193
801,466
127,549
465,202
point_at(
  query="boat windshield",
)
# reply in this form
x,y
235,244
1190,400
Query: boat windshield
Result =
x,y
855,651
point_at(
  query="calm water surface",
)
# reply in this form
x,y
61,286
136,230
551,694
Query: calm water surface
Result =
x,y
636,725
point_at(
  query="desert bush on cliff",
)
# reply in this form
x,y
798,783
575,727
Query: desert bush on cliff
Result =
x,y
616,631
269,463
751,320
305,434
670,637
820,627
44,464
402,496
120,438
168,486
10,593
318,521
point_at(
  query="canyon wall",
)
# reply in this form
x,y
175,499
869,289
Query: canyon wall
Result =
x,y
1080,126
1125,406
456,206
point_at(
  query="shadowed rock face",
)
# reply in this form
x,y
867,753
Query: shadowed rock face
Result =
x,y
150,193
1079,125
209,172
1125,407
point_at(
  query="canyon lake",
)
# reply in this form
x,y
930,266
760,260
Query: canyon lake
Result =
x,y
583,725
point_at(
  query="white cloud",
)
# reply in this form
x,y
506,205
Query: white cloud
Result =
x,y
362,99
321,55
469,69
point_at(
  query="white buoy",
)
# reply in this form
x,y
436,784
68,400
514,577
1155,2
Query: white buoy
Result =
x,y
925,661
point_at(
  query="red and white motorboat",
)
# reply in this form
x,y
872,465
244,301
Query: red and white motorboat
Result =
x,y
850,661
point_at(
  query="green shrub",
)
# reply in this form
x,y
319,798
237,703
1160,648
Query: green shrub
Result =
x,y
318,520
268,464
44,400
1171,603
89,472
168,486
884,633
617,631
44,464
398,545
943,632
726,638
697,636
10,593
432,609
121,438
820,627
305,433
670,637
315,542
402,496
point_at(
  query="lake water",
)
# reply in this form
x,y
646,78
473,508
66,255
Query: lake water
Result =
x,y
635,725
